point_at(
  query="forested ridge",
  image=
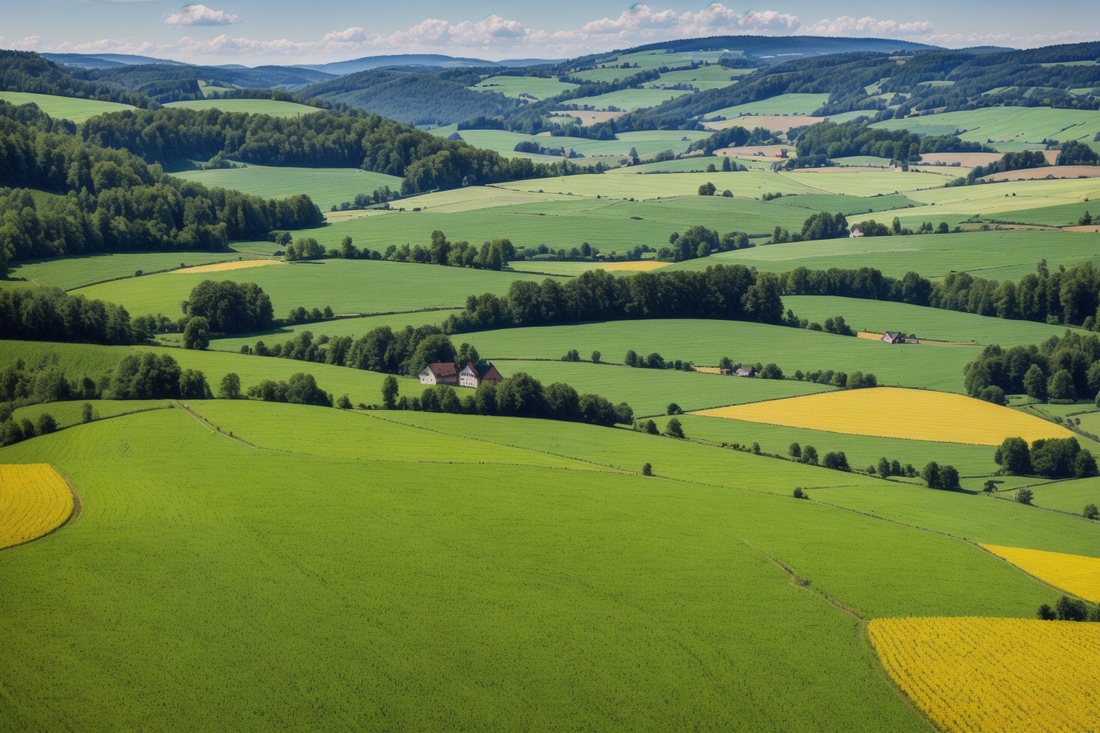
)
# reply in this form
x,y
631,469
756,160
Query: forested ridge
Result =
x,y
112,200
22,71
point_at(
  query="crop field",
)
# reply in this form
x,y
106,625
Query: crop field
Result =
x,y
706,342
774,123
269,107
227,266
994,255
348,286
889,412
1039,174
1054,216
649,391
504,142
524,86
451,529
68,414
784,104
926,323
69,273
34,501
1073,573
327,187
64,108
1005,124
354,327
972,675
862,450
752,184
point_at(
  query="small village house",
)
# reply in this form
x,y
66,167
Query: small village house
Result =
x,y
897,337
472,375
442,373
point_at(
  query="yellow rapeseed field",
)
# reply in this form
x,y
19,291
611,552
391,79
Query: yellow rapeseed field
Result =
x,y
889,412
223,266
34,500
636,266
1074,573
979,675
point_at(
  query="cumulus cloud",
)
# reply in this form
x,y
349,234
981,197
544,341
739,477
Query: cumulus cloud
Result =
x,y
105,45
200,15
846,26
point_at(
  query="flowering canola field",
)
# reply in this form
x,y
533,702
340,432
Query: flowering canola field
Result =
x,y
34,500
978,675
1074,573
890,412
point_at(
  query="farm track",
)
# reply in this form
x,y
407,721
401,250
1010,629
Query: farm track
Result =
x,y
804,583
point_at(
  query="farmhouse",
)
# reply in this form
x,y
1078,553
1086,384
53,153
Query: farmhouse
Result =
x,y
897,337
745,372
472,375
855,233
442,373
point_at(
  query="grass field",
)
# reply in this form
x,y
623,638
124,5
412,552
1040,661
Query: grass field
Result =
x,y
354,327
862,450
326,186
1073,573
520,86
1005,124
984,674
348,286
706,342
784,104
992,255
68,414
1067,496
68,273
649,391
250,106
64,108
702,78
632,99
544,624
895,413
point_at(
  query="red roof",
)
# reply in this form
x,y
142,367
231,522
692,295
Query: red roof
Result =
x,y
442,369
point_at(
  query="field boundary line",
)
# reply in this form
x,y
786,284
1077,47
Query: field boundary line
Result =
x,y
804,583
74,513
1011,564
212,427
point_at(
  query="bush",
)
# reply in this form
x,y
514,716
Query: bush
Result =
x,y
1071,609
835,460
647,470
1046,613
673,409
1091,512
800,494
674,429
1024,496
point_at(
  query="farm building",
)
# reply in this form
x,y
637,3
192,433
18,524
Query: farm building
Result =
x,y
472,375
442,373
897,337
855,233
745,372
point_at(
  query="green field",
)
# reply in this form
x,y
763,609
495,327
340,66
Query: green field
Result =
x,y
862,450
354,327
705,342
1067,496
645,142
1005,124
326,186
1006,255
631,99
347,286
524,86
250,106
702,78
68,273
784,104
64,108
68,414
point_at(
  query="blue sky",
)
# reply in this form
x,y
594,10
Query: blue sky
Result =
x,y
253,32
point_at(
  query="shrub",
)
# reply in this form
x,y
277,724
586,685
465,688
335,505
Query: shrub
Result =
x,y
674,429
1024,496
800,494
647,470
1091,512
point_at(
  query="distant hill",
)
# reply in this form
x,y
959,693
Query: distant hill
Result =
x,y
368,63
176,83
106,60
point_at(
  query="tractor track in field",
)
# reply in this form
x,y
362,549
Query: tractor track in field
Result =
x,y
803,583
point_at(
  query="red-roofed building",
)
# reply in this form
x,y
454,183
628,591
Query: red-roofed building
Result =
x,y
443,373
472,375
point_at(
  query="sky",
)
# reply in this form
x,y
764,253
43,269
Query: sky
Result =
x,y
255,32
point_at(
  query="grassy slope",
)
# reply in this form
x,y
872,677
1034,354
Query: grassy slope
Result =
x,y
326,186
354,327
533,86
649,391
1010,124
348,286
992,255
65,108
68,414
250,106
705,342
68,273
1067,496
783,104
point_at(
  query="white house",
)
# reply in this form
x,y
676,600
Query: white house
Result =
x,y
473,375
442,373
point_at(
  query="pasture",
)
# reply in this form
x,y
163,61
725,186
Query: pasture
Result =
x,y
783,104
268,107
69,273
1066,496
631,99
524,86
64,108
702,78
354,327
327,187
577,578
1004,124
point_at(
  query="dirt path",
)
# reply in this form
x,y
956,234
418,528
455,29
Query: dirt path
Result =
x,y
211,426
804,583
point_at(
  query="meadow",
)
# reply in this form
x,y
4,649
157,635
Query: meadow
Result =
x,y
524,86
69,273
64,108
702,78
631,99
1066,496
443,546
1004,125
327,187
269,107
782,104
354,327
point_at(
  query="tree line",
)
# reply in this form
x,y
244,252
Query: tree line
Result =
x,y
24,71
1064,370
1050,458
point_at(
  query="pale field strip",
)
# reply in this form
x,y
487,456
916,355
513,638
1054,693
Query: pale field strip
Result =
x,y
637,266
773,123
995,675
34,501
893,412
223,266
1076,574
1042,174
998,197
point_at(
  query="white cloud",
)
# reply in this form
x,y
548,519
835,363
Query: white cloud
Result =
x,y
105,45
200,15
846,26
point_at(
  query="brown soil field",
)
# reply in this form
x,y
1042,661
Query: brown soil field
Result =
x,y
1092,228
775,123
750,151
223,266
590,118
1039,174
